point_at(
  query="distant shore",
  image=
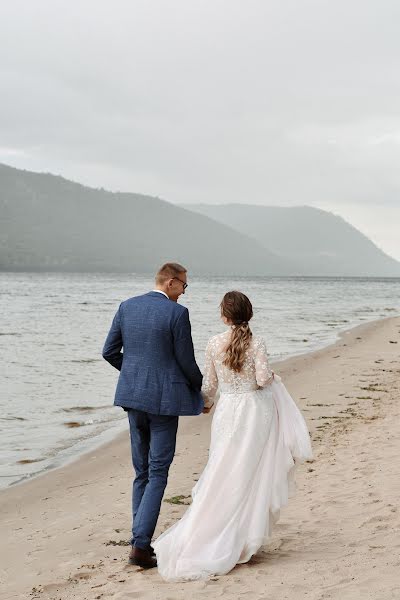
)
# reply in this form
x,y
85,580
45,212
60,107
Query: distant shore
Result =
x,y
64,532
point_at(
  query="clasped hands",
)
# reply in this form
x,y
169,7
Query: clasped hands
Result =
x,y
207,409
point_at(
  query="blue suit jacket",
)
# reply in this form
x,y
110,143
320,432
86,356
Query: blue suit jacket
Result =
x,y
159,374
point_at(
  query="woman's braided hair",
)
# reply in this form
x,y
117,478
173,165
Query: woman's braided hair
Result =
x,y
236,307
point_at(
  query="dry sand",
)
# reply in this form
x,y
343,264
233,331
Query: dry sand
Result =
x,y
62,534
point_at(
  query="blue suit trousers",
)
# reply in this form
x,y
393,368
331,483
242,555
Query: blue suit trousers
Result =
x,y
153,440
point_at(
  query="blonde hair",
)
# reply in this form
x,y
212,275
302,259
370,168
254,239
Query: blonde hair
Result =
x,y
168,271
236,307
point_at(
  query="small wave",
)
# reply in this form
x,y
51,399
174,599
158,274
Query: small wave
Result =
x,y
84,408
12,419
334,321
84,360
9,333
28,461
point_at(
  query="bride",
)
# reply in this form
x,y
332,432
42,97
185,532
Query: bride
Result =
x,y
257,432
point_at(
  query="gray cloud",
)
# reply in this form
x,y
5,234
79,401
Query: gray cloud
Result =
x,y
275,102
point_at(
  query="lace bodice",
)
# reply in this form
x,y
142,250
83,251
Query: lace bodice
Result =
x,y
255,373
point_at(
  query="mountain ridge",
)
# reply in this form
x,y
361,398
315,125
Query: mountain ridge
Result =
x,y
51,223
324,243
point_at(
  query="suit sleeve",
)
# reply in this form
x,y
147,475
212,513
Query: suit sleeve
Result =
x,y
184,351
113,344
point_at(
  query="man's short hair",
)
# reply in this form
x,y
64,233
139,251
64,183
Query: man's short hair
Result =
x,y
168,271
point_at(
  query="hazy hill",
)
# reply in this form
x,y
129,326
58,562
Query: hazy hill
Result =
x,y
50,223
320,242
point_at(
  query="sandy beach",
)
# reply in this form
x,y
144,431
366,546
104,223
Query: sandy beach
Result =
x,y
64,534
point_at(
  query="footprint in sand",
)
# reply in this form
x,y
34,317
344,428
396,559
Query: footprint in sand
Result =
x,y
82,576
380,519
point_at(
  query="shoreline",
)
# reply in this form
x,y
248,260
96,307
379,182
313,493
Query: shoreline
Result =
x,y
69,526
95,443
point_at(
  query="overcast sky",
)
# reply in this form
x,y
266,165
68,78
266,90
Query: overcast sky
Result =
x,y
271,102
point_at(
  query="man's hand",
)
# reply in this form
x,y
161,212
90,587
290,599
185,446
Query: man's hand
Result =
x,y
207,409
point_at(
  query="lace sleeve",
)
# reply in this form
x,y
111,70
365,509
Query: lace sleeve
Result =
x,y
264,373
210,379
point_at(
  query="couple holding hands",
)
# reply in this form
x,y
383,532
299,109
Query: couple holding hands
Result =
x,y
256,433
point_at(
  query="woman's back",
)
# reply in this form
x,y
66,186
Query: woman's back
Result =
x,y
255,371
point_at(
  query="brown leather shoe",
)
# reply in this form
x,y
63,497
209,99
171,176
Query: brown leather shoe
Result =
x,y
142,558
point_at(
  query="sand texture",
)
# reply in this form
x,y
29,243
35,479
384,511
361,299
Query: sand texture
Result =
x,y
64,534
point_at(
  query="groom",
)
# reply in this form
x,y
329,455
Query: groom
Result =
x,y
159,380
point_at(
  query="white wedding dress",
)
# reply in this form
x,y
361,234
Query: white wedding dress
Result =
x,y
257,431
